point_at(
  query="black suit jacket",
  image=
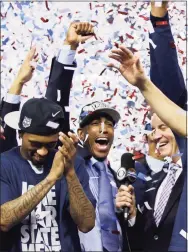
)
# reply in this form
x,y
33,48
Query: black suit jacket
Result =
x,y
153,238
9,133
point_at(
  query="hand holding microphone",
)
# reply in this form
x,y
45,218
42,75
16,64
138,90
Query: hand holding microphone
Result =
x,y
126,175
126,198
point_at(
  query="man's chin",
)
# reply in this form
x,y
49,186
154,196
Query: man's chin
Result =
x,y
100,156
38,163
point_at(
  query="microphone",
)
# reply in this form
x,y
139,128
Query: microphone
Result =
x,y
126,175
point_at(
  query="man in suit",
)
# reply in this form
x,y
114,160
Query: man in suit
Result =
x,y
165,74
164,190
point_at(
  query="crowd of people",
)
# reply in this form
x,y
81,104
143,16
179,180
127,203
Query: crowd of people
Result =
x,y
58,190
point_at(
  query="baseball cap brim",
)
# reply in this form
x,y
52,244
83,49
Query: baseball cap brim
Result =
x,y
12,119
109,111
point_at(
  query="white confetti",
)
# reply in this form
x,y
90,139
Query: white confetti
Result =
x,y
150,189
152,43
87,84
58,95
140,208
184,234
148,178
147,205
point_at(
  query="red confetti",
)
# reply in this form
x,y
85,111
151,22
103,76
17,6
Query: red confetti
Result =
x,y
98,5
172,44
81,51
90,6
145,18
129,36
44,20
93,94
132,138
181,38
107,100
73,119
24,95
180,51
127,149
121,39
184,61
115,91
116,44
109,11
123,12
94,21
108,83
133,94
143,121
3,16
83,82
46,3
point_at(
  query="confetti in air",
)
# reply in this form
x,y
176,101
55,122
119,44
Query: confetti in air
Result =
x,y
45,23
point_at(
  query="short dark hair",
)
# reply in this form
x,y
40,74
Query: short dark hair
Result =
x,y
97,116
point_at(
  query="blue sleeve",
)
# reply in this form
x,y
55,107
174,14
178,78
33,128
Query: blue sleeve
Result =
x,y
165,72
60,80
6,190
84,179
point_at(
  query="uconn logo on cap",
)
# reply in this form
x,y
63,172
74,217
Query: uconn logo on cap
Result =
x,y
26,122
94,106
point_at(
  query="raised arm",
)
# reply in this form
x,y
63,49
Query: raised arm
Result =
x,y
165,71
11,102
62,68
131,69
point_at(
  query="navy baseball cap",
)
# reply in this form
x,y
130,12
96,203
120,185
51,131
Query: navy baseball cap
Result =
x,y
91,110
38,116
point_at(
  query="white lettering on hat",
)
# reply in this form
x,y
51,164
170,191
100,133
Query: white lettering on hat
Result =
x,y
95,106
26,122
52,125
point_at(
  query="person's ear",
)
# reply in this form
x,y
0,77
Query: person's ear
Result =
x,y
20,134
81,134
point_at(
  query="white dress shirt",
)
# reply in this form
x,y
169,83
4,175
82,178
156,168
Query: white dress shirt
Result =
x,y
154,164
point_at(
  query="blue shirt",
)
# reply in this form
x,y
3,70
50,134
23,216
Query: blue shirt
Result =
x,y
92,241
49,227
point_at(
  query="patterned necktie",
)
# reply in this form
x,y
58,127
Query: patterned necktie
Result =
x,y
109,232
165,195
